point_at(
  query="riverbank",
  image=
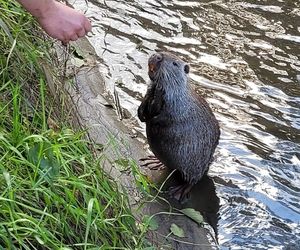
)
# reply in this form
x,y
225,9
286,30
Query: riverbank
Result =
x,y
68,171
97,111
54,193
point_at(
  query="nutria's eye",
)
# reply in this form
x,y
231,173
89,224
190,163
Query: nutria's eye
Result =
x,y
186,68
175,64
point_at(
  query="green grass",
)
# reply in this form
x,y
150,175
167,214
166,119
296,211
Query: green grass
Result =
x,y
53,192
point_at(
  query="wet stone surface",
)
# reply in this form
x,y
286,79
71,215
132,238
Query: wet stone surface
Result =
x,y
244,58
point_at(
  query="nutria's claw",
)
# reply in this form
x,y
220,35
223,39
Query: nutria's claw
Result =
x,y
148,157
152,163
181,192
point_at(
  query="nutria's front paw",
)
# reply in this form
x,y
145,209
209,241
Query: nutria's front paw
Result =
x,y
181,192
152,163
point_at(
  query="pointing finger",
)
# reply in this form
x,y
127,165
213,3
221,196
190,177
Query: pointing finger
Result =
x,y
87,25
81,32
74,37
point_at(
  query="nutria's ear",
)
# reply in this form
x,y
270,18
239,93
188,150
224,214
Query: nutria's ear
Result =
x,y
186,68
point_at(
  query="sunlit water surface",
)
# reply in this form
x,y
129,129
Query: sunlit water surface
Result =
x,y
244,58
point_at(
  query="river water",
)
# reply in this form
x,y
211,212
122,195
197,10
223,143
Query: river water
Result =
x,y
244,58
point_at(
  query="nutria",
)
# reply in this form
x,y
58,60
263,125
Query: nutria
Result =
x,y
181,129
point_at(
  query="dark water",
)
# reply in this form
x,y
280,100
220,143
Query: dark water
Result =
x,y
244,58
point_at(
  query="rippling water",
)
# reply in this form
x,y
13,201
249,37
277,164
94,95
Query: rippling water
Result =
x,y
244,58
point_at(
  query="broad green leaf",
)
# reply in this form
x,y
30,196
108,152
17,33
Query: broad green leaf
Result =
x,y
193,214
177,231
42,155
122,164
151,222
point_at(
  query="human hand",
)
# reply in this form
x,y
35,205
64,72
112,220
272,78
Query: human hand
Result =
x,y
63,23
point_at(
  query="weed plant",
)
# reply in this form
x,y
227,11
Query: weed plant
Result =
x,y
53,192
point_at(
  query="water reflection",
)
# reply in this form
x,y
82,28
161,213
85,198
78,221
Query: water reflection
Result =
x,y
244,57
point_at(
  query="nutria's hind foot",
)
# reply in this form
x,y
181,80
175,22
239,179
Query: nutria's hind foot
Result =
x,y
181,192
152,163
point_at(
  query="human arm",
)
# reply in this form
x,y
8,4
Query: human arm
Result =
x,y
58,20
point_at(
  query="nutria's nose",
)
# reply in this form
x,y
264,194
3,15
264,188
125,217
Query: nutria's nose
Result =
x,y
154,62
156,58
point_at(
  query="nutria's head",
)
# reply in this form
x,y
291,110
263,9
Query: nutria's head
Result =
x,y
165,68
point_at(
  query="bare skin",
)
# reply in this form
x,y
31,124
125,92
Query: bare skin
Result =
x,y
58,20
